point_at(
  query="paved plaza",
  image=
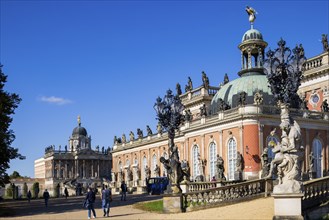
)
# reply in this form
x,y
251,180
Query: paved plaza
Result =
x,y
71,208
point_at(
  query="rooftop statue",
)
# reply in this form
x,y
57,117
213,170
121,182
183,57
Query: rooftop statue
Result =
x,y
226,79
178,89
159,128
325,42
149,131
205,80
252,14
124,140
131,136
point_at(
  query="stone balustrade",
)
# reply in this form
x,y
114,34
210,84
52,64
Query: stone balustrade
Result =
x,y
313,63
315,192
224,194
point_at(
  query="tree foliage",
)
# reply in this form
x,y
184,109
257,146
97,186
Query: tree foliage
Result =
x,y
8,103
15,175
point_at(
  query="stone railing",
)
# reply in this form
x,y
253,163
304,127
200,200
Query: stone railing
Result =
x,y
200,186
313,63
316,192
226,194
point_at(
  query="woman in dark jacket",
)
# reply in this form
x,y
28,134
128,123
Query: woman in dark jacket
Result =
x,y
89,201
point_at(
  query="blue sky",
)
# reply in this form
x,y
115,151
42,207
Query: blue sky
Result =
x,y
109,60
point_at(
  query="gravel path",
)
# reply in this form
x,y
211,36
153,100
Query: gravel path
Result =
x,y
71,209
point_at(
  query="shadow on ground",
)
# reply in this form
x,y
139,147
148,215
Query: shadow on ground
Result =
x,y
62,205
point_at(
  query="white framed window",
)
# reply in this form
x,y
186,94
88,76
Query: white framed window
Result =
x,y
143,166
195,152
231,155
135,161
165,155
154,162
271,141
212,159
119,166
317,152
127,162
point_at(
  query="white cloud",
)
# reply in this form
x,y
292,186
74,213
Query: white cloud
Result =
x,y
55,100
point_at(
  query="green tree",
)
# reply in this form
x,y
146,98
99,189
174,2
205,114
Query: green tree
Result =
x,y
25,189
8,103
15,175
35,189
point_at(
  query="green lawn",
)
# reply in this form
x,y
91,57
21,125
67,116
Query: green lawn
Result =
x,y
155,206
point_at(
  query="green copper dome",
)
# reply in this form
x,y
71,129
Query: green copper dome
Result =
x,y
250,84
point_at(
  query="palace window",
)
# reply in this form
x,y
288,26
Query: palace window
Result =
x,y
271,141
154,162
127,162
212,158
165,155
195,152
232,150
144,165
317,152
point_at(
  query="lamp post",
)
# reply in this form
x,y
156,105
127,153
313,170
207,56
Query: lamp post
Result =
x,y
284,72
169,113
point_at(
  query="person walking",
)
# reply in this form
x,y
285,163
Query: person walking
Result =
x,y
46,197
123,191
29,196
106,199
89,202
66,193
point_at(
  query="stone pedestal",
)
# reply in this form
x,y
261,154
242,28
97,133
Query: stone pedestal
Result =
x,y
238,175
288,206
172,203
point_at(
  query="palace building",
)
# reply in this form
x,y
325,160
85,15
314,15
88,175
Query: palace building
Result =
x,y
233,121
75,166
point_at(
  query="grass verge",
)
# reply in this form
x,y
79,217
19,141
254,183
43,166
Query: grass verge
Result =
x,y
154,206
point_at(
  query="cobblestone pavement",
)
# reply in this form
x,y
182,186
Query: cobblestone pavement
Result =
x,y
72,209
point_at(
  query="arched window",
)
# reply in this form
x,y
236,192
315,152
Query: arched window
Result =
x,y
135,161
271,141
127,162
164,173
144,165
195,152
232,150
154,162
119,166
317,152
212,159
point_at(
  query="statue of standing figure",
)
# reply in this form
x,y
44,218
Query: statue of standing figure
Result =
x,y
147,172
189,86
325,42
149,131
132,136
157,171
159,128
124,140
205,80
178,89
239,162
220,168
